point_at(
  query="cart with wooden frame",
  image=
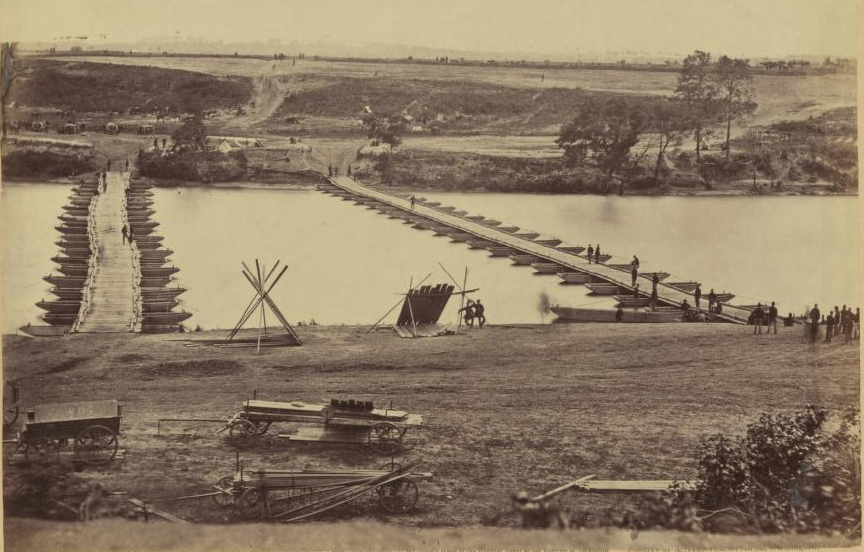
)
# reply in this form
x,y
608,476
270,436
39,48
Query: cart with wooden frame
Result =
x,y
89,428
348,422
292,495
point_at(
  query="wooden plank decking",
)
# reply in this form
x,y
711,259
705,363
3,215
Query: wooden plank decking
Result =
x,y
111,301
606,273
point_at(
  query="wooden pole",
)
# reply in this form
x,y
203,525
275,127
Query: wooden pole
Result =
x,y
250,307
261,285
462,302
396,305
261,297
410,309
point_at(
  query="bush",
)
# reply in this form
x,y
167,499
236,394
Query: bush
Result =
x,y
787,473
25,163
191,165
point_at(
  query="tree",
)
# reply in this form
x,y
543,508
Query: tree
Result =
x,y
671,120
698,89
191,133
735,87
384,165
603,132
387,130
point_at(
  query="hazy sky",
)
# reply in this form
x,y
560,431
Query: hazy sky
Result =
x,y
736,27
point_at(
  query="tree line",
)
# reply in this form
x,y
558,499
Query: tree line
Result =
x,y
709,96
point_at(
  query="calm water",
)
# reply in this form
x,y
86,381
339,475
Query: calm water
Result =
x,y
347,264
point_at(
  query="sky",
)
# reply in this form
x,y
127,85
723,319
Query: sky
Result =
x,y
751,28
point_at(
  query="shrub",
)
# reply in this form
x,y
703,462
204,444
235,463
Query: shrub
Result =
x,y
41,162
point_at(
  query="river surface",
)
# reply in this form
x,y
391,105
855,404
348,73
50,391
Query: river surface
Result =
x,y
348,264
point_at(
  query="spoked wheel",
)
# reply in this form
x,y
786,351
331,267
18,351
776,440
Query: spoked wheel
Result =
x,y
262,427
242,433
225,486
399,496
96,444
42,449
252,504
386,438
10,405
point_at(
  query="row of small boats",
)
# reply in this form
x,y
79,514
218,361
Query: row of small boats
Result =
x,y
74,261
635,306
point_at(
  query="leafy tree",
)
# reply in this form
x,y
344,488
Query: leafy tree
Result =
x,y
387,130
698,89
735,87
602,132
191,133
384,165
671,120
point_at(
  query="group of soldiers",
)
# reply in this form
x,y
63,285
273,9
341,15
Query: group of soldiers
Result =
x,y
474,309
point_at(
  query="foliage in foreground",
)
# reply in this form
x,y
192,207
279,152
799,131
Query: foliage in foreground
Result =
x,y
788,472
43,162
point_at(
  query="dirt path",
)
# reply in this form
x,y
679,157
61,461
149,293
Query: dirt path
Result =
x,y
267,95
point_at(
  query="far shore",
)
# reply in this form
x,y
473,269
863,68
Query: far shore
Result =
x,y
789,191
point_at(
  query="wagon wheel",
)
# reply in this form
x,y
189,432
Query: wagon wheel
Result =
x,y
251,504
225,486
42,449
10,414
10,405
96,444
399,496
262,427
386,438
242,433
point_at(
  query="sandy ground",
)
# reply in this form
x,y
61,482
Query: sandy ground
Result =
x,y
28,535
506,408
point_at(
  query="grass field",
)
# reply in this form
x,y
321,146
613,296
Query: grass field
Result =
x,y
506,408
778,97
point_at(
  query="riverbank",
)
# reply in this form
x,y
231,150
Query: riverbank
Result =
x,y
506,408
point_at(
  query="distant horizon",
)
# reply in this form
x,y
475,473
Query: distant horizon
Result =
x,y
505,29
373,50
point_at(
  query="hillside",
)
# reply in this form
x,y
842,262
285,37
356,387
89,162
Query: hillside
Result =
x,y
99,87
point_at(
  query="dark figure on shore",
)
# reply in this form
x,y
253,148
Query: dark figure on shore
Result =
x,y
857,321
413,201
789,321
697,295
597,254
349,170
131,235
712,298
636,291
164,143
108,166
685,307
847,325
758,314
635,262
155,143
619,314
468,313
329,170
634,272
829,327
590,253
127,163
814,323
772,318
125,232
479,311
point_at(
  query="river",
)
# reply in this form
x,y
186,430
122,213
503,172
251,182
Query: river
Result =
x,y
348,264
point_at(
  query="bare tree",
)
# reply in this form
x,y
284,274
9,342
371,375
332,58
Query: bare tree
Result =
x,y
735,87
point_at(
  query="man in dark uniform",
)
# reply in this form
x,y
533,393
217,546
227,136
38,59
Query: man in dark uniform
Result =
x,y
479,309
712,298
590,253
697,294
757,318
814,323
634,272
125,232
772,318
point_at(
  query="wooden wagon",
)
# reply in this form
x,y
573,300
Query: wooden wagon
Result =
x,y
90,428
351,422
292,495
